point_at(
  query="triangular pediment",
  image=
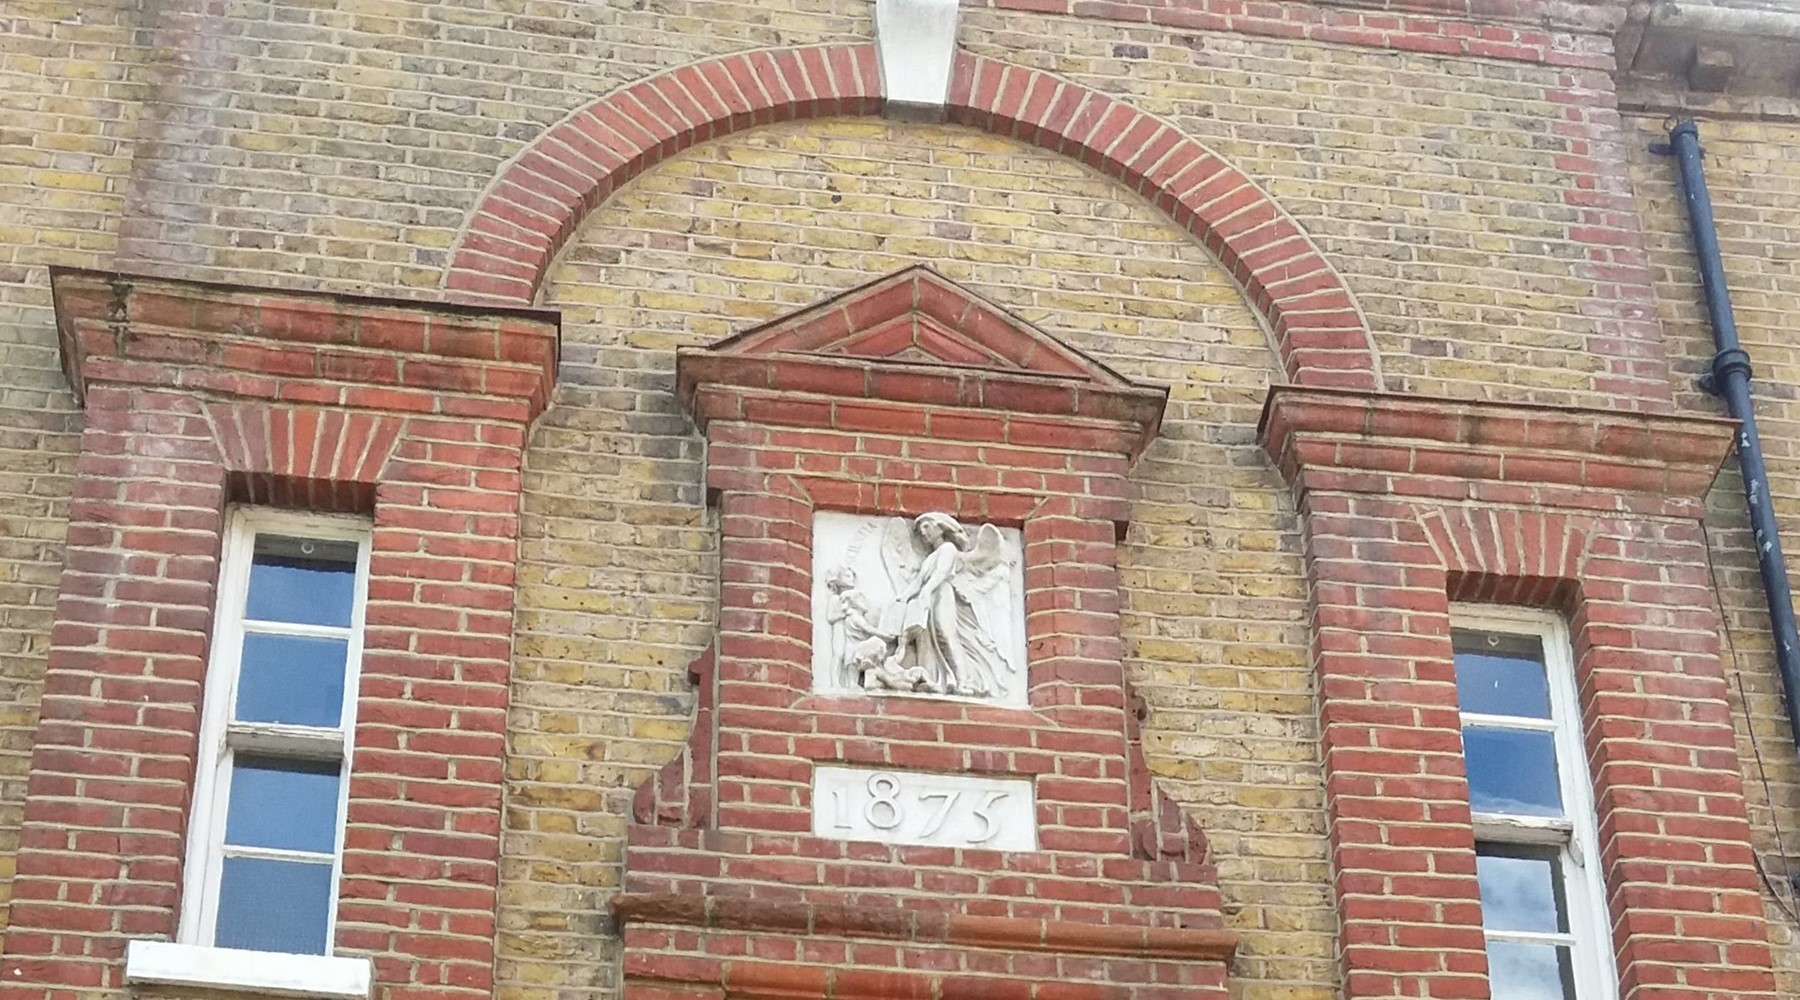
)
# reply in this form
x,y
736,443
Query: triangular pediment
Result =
x,y
917,316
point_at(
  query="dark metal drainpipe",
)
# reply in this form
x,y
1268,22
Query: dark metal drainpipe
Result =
x,y
1730,380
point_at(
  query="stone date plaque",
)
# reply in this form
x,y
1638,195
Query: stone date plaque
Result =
x,y
935,810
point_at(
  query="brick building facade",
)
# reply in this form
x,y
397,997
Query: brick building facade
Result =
x,y
1298,346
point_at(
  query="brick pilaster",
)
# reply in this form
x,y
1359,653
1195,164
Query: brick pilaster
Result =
x,y
1411,503
198,396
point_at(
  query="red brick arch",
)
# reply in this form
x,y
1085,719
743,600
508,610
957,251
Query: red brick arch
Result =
x,y
320,458
540,198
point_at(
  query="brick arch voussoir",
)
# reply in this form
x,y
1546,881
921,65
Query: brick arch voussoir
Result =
x,y
1500,556
1319,332
316,458
540,198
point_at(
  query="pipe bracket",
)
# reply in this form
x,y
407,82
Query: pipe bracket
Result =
x,y
1725,365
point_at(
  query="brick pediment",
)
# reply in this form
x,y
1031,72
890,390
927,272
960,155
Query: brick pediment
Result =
x,y
918,316
915,350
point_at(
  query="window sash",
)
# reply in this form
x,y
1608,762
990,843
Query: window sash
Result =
x,y
1503,828
222,738
1589,937
296,628
1533,937
273,853
1509,722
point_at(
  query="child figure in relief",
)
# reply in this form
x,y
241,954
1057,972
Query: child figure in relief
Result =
x,y
939,570
862,647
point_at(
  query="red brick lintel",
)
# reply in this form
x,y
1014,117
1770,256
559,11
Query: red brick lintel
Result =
x,y
925,927
1453,449
730,378
303,347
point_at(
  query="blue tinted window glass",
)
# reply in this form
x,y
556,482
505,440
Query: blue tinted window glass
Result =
x,y
305,580
1499,674
1521,890
267,905
289,804
293,679
1512,771
1520,971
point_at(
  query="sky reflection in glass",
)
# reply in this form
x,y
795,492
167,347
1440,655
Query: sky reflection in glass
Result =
x,y
298,680
1520,893
268,905
286,804
1502,684
1512,771
302,580
1521,971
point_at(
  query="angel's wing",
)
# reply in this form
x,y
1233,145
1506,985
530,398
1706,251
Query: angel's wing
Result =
x,y
988,551
900,551
984,565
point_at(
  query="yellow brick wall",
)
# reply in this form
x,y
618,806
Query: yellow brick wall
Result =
x,y
1753,174
618,572
339,145
68,106
1434,185
342,144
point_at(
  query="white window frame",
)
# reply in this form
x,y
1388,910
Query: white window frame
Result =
x,y
221,739
1592,952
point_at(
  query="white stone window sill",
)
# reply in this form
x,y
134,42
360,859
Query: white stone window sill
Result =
x,y
273,973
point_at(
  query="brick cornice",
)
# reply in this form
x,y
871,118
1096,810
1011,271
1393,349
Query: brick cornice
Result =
x,y
811,391
304,347
916,353
1455,449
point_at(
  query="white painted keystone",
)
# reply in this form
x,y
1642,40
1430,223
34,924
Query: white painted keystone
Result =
x,y
916,40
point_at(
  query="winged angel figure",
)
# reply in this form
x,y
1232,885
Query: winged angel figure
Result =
x,y
940,643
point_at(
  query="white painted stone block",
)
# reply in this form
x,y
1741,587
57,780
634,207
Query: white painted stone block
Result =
x,y
936,810
327,977
916,40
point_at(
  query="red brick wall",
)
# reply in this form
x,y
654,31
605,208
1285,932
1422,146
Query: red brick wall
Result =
x,y
197,397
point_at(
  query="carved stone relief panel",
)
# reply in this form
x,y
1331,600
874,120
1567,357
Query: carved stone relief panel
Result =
x,y
925,606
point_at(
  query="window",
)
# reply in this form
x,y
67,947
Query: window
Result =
x,y
267,830
1542,898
